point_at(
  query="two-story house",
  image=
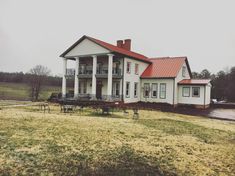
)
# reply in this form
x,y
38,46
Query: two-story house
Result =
x,y
115,73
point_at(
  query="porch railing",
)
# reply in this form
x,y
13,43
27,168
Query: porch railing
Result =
x,y
102,98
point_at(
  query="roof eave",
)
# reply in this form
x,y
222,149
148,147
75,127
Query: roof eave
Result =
x,y
189,69
91,39
193,83
157,77
73,46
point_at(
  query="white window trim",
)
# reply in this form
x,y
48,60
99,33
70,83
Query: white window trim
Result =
x,y
128,95
148,90
160,91
136,86
137,70
156,90
199,92
114,91
183,88
184,71
128,71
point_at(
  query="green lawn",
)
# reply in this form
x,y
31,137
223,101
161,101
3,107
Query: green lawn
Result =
x,y
18,91
159,143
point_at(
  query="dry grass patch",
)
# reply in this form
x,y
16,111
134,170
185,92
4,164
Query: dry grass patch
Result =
x,y
87,143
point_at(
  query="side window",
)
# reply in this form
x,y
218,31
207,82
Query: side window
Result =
x,y
135,90
162,90
154,90
183,71
146,89
82,69
79,87
84,87
127,89
136,69
186,91
128,67
196,91
115,89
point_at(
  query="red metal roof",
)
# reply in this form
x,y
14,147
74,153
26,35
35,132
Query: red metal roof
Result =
x,y
110,47
120,50
194,81
167,67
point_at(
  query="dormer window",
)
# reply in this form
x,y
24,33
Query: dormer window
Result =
x,y
183,71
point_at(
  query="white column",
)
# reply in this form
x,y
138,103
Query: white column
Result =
x,y
94,66
110,76
76,80
64,78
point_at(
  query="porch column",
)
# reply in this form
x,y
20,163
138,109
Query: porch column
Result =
x,y
64,78
76,80
110,76
94,66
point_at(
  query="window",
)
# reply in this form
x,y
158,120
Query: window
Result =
x,y
146,89
135,90
128,68
163,90
116,89
127,89
84,87
116,69
82,69
136,69
183,71
186,91
154,90
79,87
196,92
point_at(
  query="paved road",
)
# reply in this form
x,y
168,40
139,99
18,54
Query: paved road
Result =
x,y
222,113
216,113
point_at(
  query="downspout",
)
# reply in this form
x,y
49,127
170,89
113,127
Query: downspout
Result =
x,y
204,96
122,79
174,93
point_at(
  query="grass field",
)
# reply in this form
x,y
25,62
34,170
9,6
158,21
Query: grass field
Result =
x,y
18,91
87,143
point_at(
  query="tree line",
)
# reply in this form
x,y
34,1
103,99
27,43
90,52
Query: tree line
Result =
x,y
223,83
20,77
36,78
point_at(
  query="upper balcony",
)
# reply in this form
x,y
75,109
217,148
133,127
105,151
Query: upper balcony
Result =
x,y
101,72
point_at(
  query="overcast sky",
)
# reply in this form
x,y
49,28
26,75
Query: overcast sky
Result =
x,y
37,32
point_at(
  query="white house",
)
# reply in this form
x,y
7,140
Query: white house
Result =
x,y
115,73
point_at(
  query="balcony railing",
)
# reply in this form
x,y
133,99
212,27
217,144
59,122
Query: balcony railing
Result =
x,y
100,72
104,71
70,73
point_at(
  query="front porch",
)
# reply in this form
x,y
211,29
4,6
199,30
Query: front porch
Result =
x,y
96,77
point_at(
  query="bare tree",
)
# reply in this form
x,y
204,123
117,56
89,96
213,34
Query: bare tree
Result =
x,y
37,76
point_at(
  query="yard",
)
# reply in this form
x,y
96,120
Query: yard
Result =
x,y
87,143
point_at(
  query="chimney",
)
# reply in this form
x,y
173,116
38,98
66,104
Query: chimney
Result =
x,y
120,43
127,44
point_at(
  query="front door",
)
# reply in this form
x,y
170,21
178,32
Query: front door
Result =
x,y
99,89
